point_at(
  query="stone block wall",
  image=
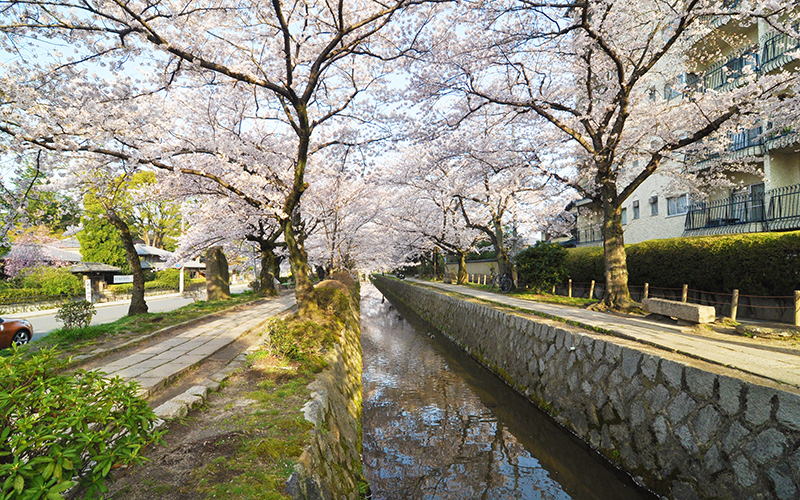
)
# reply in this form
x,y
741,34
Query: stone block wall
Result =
x,y
683,428
330,467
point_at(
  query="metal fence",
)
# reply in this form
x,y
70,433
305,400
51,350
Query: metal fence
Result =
x,y
774,210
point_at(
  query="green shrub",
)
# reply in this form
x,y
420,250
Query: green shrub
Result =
x,y
542,265
168,278
13,294
60,430
755,264
52,280
76,314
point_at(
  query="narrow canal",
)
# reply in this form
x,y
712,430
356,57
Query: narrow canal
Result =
x,y
437,425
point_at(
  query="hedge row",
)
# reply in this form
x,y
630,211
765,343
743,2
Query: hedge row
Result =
x,y
153,285
755,264
9,295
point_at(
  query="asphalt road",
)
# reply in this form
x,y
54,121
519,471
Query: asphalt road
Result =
x,y
44,322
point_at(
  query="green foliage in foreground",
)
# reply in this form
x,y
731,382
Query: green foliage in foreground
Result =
x,y
755,264
60,430
76,314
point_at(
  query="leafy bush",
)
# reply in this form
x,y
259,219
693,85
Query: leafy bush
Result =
x,y
76,314
51,280
755,264
58,428
542,265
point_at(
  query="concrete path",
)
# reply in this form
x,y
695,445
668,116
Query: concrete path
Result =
x,y
156,365
769,361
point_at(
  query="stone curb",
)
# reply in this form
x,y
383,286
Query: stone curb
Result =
x,y
179,406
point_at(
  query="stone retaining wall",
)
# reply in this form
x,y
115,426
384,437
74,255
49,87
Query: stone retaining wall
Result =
x,y
683,428
330,468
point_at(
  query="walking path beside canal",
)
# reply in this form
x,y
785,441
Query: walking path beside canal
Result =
x,y
155,366
769,361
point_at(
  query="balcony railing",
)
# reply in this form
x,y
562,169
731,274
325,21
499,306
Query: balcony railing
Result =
x,y
775,210
775,48
728,71
747,138
718,75
784,208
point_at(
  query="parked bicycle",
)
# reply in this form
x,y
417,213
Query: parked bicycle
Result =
x,y
504,282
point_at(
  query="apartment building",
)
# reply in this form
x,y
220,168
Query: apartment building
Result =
x,y
767,198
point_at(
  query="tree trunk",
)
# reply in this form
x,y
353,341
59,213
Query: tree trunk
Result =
x,y
138,304
504,265
266,280
617,296
298,262
462,267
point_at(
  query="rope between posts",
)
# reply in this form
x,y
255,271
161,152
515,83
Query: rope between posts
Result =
x,y
694,296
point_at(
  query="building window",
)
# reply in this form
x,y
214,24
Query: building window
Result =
x,y
678,205
654,205
636,209
624,216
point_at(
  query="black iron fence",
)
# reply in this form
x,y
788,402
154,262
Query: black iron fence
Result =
x,y
774,210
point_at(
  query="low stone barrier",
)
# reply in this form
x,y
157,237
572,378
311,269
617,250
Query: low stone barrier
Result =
x,y
683,428
695,313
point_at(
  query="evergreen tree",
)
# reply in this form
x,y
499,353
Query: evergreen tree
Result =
x,y
100,241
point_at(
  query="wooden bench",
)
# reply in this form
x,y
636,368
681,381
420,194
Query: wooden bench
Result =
x,y
695,313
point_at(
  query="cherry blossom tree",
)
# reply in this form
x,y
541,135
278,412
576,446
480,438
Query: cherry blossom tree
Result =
x,y
30,250
237,93
592,72
484,177
341,206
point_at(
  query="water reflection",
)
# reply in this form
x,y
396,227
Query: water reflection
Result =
x,y
438,426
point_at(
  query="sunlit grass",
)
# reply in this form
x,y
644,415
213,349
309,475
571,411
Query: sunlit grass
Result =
x,y
142,324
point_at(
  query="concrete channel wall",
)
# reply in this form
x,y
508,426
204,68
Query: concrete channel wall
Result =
x,y
683,428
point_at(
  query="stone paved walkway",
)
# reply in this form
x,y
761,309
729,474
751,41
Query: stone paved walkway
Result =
x,y
771,362
154,366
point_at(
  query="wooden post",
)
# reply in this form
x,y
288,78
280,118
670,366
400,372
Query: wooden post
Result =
x,y
685,293
797,307
554,289
734,304
570,288
484,279
591,291
646,290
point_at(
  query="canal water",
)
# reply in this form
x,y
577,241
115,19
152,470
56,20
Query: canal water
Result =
x,y
437,425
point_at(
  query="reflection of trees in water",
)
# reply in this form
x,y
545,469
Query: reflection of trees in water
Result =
x,y
427,435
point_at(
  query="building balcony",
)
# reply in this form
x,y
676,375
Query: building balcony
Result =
x,y
751,138
775,50
726,73
774,210
721,75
